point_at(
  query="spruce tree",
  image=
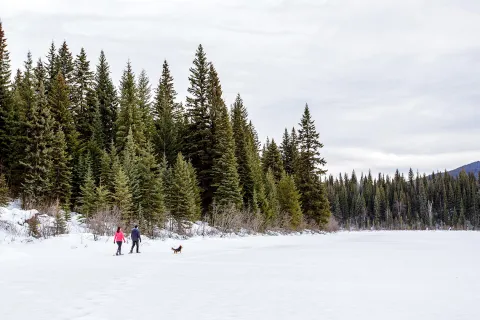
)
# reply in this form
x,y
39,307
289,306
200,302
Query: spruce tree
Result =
x,y
106,171
130,166
225,175
102,195
289,151
88,196
64,64
196,191
51,68
122,197
130,116
61,174
84,102
260,199
272,159
5,100
60,224
38,151
243,152
59,103
151,188
198,139
183,192
3,191
107,100
289,200
15,126
315,205
272,196
145,105
168,118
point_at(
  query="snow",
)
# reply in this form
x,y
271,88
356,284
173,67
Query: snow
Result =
x,y
347,275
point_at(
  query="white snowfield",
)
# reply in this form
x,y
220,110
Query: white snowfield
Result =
x,y
359,275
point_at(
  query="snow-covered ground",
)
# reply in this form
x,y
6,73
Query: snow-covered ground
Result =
x,y
358,275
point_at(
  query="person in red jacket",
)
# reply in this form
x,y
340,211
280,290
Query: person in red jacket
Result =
x,y
119,238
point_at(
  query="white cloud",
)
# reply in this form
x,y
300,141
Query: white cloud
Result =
x,y
390,83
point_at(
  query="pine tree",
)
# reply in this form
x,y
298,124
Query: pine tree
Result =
x,y
88,196
102,196
259,196
377,208
84,106
106,171
289,149
40,137
225,176
272,159
51,68
151,188
122,197
168,118
15,127
195,191
184,193
166,174
130,116
293,153
243,152
289,200
59,103
272,196
60,225
130,166
3,191
315,204
60,171
198,139
145,105
107,100
338,209
5,100
64,64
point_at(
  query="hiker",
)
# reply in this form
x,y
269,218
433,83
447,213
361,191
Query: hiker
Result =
x,y
135,235
119,237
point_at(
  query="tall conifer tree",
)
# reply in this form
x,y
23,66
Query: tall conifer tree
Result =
x,y
40,138
225,175
198,139
130,116
315,205
244,153
107,100
5,100
168,118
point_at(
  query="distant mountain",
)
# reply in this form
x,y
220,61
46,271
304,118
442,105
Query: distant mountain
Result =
x,y
473,167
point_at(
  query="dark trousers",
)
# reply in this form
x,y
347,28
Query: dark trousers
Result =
x,y
134,243
119,249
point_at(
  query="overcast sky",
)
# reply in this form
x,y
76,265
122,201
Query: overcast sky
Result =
x,y
390,84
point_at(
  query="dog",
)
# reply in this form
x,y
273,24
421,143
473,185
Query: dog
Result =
x,y
177,250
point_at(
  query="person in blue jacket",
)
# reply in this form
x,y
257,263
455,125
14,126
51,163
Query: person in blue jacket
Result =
x,y
135,235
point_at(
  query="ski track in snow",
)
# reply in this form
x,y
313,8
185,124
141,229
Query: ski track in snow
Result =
x,y
363,275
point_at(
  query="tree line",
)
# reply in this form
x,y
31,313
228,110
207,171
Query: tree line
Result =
x,y
414,202
69,136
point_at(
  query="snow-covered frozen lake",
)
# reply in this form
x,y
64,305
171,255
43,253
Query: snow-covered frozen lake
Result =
x,y
363,275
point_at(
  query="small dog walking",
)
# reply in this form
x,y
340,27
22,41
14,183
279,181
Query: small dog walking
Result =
x,y
177,250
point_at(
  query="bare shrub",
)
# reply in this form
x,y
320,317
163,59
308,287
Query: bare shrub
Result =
x,y
46,230
332,225
33,226
229,219
252,221
226,219
104,222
